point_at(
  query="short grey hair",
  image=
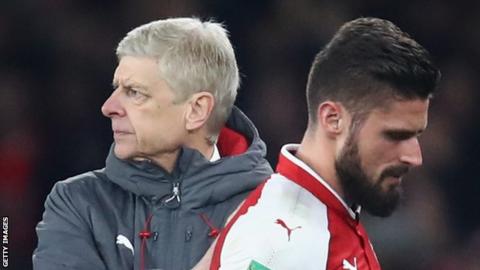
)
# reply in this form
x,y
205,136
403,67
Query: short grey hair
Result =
x,y
193,56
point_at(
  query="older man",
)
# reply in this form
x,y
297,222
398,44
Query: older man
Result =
x,y
182,160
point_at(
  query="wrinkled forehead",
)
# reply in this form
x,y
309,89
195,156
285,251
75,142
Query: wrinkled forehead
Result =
x,y
138,69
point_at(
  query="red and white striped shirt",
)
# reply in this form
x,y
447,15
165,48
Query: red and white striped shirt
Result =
x,y
294,220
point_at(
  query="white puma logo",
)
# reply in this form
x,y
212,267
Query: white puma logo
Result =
x,y
122,240
348,266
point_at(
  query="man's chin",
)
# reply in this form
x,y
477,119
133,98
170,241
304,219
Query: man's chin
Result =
x,y
391,188
122,152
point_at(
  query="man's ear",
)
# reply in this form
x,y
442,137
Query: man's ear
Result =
x,y
199,109
332,117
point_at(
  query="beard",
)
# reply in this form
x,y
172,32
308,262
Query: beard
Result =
x,y
361,189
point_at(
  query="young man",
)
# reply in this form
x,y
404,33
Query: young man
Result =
x,y
368,95
183,158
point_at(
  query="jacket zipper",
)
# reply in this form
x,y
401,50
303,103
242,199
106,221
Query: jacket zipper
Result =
x,y
175,193
172,203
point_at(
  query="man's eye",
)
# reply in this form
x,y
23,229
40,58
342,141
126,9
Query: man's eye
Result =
x,y
399,136
134,93
131,93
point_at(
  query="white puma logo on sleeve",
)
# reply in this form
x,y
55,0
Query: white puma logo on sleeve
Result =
x,y
347,265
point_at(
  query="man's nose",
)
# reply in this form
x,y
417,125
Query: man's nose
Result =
x,y
411,152
112,106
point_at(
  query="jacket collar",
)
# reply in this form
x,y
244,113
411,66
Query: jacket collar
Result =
x,y
241,167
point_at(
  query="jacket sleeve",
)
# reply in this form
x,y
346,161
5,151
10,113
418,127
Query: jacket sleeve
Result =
x,y
65,240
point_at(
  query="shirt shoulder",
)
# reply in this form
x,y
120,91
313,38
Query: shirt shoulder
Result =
x,y
282,228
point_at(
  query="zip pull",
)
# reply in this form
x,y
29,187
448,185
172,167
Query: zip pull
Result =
x,y
175,193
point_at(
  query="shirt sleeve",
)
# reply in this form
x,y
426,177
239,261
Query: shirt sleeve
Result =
x,y
65,240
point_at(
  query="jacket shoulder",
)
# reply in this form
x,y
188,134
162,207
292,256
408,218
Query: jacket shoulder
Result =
x,y
83,184
84,193
95,177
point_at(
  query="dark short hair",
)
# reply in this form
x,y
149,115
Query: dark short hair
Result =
x,y
368,62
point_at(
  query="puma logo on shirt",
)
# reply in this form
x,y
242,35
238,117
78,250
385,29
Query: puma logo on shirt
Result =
x,y
284,225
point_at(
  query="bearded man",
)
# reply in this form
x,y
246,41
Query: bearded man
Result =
x,y
368,94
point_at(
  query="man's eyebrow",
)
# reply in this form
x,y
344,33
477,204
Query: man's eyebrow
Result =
x,y
136,85
404,130
130,84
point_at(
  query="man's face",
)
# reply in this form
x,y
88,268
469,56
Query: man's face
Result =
x,y
145,121
374,158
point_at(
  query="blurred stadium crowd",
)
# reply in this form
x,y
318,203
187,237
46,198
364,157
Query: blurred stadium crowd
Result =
x,y
57,60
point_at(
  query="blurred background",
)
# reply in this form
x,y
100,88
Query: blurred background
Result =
x,y
57,60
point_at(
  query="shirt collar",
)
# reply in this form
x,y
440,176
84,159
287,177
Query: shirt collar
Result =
x,y
299,172
215,154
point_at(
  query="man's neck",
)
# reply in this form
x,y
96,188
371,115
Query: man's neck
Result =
x,y
320,156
